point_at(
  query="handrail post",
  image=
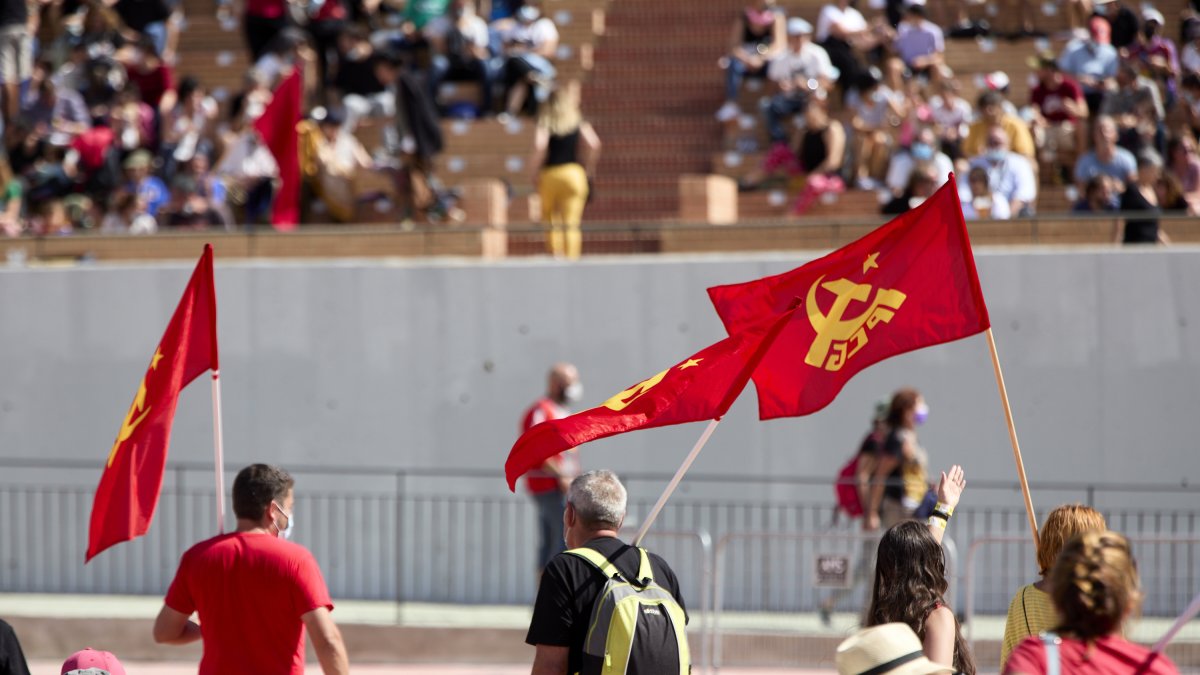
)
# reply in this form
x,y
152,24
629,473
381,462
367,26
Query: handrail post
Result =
x,y
399,535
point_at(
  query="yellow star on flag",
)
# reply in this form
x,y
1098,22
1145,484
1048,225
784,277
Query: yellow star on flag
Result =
x,y
690,363
870,262
158,355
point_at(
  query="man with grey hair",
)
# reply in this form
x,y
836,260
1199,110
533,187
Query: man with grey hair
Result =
x,y
570,585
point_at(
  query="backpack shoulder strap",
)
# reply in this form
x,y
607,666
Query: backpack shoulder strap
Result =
x,y
1051,642
597,560
645,574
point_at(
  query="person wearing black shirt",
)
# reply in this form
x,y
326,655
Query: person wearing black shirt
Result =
x,y
570,585
12,659
1123,20
1142,195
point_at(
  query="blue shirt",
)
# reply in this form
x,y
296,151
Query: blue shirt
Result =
x,y
1121,166
1010,176
1084,58
153,192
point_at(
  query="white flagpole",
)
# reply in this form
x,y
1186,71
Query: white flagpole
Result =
x,y
1188,614
683,468
218,451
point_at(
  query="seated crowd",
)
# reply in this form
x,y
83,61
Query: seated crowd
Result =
x,y
103,134
1111,120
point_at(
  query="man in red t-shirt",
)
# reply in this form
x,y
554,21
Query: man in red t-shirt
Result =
x,y
1059,125
255,592
549,483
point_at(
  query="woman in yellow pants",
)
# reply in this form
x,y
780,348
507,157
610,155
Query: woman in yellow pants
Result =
x,y
566,149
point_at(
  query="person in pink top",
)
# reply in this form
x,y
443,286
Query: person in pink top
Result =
x,y
255,592
1094,586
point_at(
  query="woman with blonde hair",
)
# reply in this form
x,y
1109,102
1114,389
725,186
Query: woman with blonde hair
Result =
x,y
1094,586
1031,611
565,152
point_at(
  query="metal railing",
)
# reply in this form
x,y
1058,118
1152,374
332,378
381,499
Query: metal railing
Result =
x,y
792,551
459,537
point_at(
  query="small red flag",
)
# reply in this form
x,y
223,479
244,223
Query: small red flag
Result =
x,y
907,285
277,126
128,492
701,387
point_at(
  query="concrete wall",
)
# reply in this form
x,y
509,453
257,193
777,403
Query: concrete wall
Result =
x,y
345,365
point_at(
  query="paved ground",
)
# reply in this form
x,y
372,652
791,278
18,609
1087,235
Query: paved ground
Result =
x,y
466,633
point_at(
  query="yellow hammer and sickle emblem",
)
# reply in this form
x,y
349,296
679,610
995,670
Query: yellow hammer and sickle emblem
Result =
x,y
139,406
620,401
837,338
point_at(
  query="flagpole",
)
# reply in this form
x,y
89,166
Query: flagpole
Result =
x,y
1188,614
218,451
683,468
1012,436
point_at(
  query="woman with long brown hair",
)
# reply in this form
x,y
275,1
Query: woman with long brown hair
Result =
x,y
1095,588
910,588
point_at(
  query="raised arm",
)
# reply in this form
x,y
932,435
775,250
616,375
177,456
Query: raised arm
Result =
x,y
949,490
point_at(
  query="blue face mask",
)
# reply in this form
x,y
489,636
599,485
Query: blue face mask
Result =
x,y
922,151
996,155
921,414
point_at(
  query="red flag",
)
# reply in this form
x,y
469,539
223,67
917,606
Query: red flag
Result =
x,y
907,285
277,126
132,479
701,387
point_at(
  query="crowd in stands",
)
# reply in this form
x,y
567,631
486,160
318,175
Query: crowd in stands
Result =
x,y
105,131
1112,118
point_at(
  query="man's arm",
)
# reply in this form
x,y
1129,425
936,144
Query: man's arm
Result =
x,y
327,641
175,628
550,660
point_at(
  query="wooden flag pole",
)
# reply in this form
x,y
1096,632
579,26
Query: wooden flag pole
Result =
x,y
683,468
218,451
1012,436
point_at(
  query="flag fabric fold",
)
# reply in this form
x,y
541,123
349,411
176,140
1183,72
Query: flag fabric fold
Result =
x,y
909,284
277,126
701,387
127,495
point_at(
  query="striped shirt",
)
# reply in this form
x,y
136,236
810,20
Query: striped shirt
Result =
x,y
1029,613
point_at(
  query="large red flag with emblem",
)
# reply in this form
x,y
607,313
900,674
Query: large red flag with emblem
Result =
x,y
277,126
701,387
907,285
128,492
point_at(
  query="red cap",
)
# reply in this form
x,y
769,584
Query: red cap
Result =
x,y
1100,30
83,660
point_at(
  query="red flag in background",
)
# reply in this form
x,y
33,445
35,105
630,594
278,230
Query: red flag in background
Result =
x,y
907,285
701,387
277,126
132,479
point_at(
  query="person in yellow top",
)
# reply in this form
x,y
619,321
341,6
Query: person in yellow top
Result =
x,y
991,114
1031,610
566,149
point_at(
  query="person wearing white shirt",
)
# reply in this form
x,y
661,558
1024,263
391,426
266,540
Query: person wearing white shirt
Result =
x,y
804,68
842,29
530,41
1009,174
980,201
458,42
922,152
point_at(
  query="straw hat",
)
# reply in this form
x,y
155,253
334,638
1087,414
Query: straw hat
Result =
x,y
891,648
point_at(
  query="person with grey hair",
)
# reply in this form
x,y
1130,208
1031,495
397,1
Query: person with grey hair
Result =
x,y
572,583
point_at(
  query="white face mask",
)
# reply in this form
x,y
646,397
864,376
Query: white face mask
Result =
x,y
573,393
286,532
